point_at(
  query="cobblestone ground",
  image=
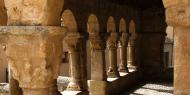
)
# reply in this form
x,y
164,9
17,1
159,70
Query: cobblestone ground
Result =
x,y
152,88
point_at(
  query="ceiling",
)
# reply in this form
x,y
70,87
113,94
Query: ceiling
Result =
x,y
140,3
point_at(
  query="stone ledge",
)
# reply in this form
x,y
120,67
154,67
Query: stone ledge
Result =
x,y
124,82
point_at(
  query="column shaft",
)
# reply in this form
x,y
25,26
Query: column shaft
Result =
x,y
123,63
74,60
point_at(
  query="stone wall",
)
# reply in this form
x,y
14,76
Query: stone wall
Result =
x,y
153,35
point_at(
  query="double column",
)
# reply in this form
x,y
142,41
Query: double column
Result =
x,y
123,52
73,41
178,16
131,56
112,53
97,84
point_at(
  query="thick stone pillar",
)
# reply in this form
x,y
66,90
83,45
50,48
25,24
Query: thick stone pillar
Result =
x,y
34,48
34,55
73,40
123,52
178,16
131,54
112,50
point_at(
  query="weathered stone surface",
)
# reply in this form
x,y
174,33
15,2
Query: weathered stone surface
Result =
x,y
182,55
34,12
34,54
178,16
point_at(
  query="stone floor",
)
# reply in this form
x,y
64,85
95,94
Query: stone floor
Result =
x,y
152,88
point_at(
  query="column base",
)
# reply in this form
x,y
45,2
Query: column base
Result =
x,y
132,68
97,87
123,69
73,86
112,74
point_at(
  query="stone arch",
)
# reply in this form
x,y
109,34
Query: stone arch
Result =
x,y
111,26
122,25
132,27
93,24
68,20
3,13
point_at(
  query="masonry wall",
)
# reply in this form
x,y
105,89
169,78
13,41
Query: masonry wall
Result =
x,y
153,37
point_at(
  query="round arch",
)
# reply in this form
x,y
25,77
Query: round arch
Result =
x,y
111,26
68,20
93,25
122,25
132,27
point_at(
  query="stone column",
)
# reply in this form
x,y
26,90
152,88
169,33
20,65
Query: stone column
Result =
x,y
123,52
131,54
34,48
97,84
112,50
178,16
73,40
34,55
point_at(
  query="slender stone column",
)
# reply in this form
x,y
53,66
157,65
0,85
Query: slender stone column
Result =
x,y
131,54
123,52
112,50
178,16
73,40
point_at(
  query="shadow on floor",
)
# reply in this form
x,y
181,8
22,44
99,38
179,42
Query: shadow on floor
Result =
x,y
151,88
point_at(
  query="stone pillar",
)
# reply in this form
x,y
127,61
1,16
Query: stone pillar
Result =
x,y
178,16
123,52
34,55
34,48
131,54
73,40
112,50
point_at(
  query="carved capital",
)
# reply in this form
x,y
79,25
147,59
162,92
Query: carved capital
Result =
x,y
73,40
178,14
34,54
112,40
124,39
97,44
29,12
